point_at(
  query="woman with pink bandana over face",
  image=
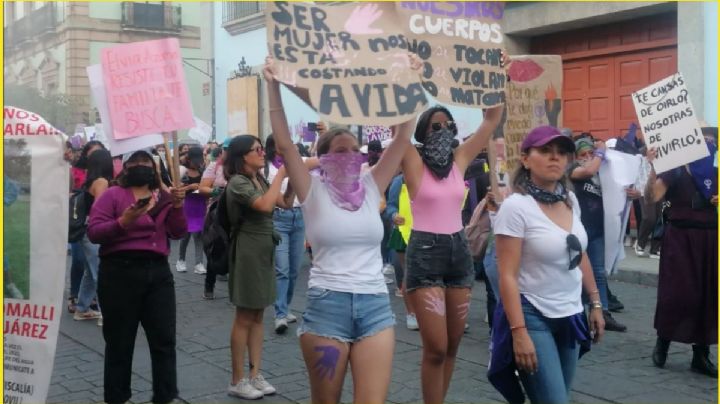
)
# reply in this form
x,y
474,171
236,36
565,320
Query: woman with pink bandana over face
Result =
x,y
348,318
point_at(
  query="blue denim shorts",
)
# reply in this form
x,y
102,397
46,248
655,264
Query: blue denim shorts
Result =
x,y
438,260
346,317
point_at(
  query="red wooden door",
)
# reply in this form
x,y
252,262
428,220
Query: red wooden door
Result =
x,y
588,101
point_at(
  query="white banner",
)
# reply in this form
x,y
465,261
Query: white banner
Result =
x,y
669,123
102,132
618,172
35,199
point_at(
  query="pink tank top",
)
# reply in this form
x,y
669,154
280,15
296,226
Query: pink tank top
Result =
x,y
438,204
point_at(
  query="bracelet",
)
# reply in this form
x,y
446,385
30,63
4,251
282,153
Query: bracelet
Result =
x,y
275,109
517,327
596,305
599,153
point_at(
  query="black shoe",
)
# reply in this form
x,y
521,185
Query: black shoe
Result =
x,y
660,352
701,361
611,324
208,295
614,304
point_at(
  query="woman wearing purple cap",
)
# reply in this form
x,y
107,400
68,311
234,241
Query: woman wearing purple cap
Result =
x,y
543,268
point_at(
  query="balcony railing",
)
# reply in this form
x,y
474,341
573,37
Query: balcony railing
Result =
x,y
237,10
147,16
31,27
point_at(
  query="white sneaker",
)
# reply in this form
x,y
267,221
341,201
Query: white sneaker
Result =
x,y
628,242
281,325
411,322
180,266
88,315
200,269
388,269
244,390
291,318
655,256
100,322
261,384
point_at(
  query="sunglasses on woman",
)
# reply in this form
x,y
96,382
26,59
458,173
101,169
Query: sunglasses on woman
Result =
x,y
573,246
439,125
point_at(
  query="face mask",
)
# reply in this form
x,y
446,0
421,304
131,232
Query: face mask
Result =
x,y
341,174
437,152
139,176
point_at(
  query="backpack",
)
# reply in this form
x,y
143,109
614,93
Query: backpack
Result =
x,y
77,220
477,231
216,236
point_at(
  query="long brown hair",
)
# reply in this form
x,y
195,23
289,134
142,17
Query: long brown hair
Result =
x,y
323,144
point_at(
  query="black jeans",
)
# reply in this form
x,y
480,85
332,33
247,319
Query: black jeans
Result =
x,y
138,288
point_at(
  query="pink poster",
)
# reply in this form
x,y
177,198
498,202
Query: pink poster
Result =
x,y
146,89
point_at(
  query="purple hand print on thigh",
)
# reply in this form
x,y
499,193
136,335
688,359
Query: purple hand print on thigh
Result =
x,y
325,366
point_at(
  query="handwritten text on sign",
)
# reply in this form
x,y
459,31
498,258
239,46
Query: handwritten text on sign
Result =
x,y
18,122
669,123
146,88
461,44
352,59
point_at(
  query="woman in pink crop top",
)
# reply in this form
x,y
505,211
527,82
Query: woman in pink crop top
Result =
x,y
438,263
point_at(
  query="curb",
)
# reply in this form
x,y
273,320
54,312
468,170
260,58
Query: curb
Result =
x,y
635,277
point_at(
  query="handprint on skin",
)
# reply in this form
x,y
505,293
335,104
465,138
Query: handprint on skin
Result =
x,y
361,19
464,308
435,303
325,366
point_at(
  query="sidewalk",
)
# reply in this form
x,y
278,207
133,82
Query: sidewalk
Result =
x,y
618,370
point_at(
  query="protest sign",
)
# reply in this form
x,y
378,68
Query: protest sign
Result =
x,y
103,131
532,100
201,132
352,58
377,132
146,89
618,172
460,44
669,123
35,200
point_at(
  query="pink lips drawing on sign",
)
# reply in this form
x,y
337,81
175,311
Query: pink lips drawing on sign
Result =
x,y
522,71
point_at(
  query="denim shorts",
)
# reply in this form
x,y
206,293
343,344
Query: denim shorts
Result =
x,y
442,260
346,317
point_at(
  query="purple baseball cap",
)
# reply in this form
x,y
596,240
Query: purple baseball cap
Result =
x,y
543,135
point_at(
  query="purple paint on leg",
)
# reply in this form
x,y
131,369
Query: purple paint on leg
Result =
x,y
326,365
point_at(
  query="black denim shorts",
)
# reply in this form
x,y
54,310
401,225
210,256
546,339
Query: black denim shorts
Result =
x,y
442,260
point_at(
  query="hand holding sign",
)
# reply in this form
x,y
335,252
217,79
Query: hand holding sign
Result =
x,y
361,18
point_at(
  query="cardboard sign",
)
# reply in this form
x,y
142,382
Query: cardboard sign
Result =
x,y
532,99
104,130
461,44
669,123
352,58
146,89
35,219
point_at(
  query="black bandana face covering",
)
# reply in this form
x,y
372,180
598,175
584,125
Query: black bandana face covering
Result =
x,y
437,152
543,196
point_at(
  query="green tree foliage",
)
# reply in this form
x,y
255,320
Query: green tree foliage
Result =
x,y
59,110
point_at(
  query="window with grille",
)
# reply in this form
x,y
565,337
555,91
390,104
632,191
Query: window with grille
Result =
x,y
237,10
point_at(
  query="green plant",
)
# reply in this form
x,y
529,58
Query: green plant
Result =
x,y
60,110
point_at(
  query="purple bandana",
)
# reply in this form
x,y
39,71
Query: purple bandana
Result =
x,y
341,174
704,173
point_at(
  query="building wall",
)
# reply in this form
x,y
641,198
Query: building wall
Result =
x,y
710,17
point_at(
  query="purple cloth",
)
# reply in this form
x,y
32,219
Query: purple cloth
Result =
x,y
195,208
705,174
148,233
501,372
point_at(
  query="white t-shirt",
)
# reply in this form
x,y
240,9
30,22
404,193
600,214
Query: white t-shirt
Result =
x,y
272,172
346,245
544,278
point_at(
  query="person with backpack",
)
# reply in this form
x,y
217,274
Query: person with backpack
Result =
x,y
98,179
132,223
212,185
251,201
348,319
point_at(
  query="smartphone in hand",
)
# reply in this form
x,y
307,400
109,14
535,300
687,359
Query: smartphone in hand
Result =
x,y
141,203
312,126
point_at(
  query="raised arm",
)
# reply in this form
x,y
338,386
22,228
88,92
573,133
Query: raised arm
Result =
x,y
467,151
593,166
296,170
386,169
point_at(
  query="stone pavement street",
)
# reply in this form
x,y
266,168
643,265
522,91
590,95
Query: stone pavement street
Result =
x,y
619,370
